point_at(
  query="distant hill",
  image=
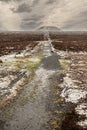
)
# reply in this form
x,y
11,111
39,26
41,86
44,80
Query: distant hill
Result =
x,y
49,28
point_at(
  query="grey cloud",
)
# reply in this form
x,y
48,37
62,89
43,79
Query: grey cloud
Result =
x,y
50,1
36,17
9,0
29,26
31,14
83,14
77,23
35,2
5,0
22,8
33,22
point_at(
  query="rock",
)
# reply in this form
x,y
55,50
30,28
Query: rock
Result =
x,y
1,61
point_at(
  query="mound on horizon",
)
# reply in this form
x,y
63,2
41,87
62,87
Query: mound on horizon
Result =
x,y
49,28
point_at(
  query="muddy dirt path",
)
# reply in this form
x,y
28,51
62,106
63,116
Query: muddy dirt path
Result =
x,y
31,110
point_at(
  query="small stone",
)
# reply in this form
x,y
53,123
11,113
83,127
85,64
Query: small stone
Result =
x,y
1,61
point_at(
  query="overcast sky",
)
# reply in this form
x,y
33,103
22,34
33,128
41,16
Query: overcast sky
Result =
x,y
32,14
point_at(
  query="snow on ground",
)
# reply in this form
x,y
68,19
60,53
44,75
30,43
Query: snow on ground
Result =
x,y
82,111
10,57
71,92
34,59
11,69
14,65
83,123
74,88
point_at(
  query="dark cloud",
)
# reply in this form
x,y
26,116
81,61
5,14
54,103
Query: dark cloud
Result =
x,y
35,2
79,24
10,0
50,1
36,17
83,14
5,0
29,26
22,8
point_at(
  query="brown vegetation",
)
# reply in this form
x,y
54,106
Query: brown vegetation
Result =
x,y
17,41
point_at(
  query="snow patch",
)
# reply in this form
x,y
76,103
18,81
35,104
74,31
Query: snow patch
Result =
x,y
34,59
8,58
83,123
82,109
71,92
73,95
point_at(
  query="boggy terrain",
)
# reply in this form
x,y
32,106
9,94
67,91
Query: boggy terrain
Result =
x,y
17,41
43,82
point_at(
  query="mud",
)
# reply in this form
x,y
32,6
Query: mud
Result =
x,y
51,63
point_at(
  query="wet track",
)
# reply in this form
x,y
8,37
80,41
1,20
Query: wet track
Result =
x,y
35,113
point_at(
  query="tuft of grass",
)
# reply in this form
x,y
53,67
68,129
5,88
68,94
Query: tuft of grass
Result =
x,y
64,63
29,65
55,123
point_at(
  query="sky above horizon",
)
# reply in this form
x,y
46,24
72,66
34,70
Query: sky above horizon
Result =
x,y
26,15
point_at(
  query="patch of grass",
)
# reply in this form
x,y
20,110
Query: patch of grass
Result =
x,y
64,63
55,123
28,64
32,65
40,56
32,68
